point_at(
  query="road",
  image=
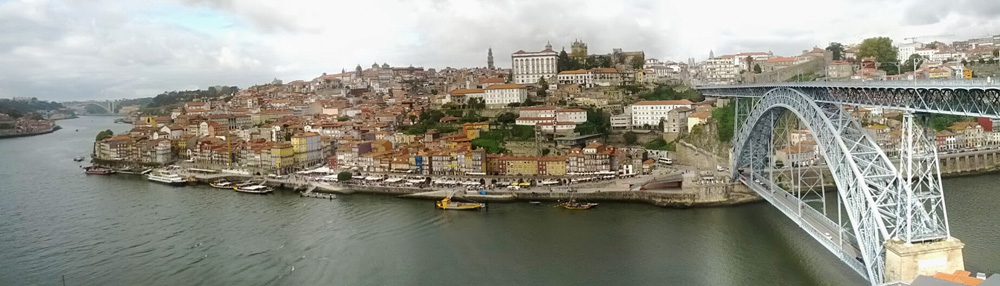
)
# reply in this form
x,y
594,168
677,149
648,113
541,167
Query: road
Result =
x,y
812,221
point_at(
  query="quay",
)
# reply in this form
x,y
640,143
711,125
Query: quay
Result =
x,y
691,190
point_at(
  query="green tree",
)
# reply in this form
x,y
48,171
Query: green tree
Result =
x,y
476,104
724,118
104,134
637,63
344,176
880,48
659,144
565,63
942,122
506,118
837,49
598,61
756,68
598,122
630,138
543,85
912,63
431,116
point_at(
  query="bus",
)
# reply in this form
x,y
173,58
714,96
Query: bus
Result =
x,y
665,161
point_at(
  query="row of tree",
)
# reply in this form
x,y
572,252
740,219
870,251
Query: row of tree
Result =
x,y
175,97
565,63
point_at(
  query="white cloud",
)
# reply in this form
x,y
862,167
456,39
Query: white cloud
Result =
x,y
74,49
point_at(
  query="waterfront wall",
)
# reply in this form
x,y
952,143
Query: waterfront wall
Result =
x,y
970,163
690,155
12,134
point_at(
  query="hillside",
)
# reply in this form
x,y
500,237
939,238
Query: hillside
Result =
x,y
19,108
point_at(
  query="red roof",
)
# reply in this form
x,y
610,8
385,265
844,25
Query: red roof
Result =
x,y
664,102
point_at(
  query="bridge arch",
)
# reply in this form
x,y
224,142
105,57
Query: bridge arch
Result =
x,y
869,184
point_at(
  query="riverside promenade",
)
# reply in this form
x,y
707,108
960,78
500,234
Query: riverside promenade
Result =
x,y
694,193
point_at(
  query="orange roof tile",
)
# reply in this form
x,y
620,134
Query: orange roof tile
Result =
x,y
664,102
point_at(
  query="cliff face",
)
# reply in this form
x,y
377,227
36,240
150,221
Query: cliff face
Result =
x,y
706,138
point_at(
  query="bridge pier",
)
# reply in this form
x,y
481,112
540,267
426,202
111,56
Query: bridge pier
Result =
x,y
905,261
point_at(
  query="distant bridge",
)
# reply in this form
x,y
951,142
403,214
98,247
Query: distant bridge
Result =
x,y
887,207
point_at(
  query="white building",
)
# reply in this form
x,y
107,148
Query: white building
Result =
x,y
528,67
462,95
623,120
500,95
584,78
542,115
676,121
721,70
556,127
905,50
652,112
571,115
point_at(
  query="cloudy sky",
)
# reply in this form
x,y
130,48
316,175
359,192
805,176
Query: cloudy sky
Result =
x,y
103,49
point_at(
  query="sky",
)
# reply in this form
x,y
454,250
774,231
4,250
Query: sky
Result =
x,y
102,49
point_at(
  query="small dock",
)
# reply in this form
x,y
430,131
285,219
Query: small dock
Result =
x,y
462,195
310,194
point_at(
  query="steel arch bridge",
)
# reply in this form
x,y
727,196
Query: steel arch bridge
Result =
x,y
883,202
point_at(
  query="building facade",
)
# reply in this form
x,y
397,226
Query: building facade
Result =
x,y
650,113
500,95
529,67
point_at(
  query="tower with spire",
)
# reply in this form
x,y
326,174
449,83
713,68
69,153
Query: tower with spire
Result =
x,y
489,58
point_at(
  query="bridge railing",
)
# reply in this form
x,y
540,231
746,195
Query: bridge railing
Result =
x,y
871,83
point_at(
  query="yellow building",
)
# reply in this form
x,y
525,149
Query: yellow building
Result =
x,y
552,166
382,146
521,166
282,156
472,130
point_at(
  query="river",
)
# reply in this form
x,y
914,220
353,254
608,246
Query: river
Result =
x,y
58,223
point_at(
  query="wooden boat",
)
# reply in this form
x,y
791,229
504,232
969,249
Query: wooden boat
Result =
x,y
448,204
98,170
255,189
78,158
574,205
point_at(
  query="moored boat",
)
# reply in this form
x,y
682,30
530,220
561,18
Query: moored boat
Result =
x,y
222,184
254,189
166,177
133,171
98,170
574,205
448,204
78,158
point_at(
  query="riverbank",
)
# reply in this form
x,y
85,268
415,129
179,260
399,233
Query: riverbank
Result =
x,y
696,195
4,135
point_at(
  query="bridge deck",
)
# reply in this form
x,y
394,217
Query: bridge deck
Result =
x,y
965,98
817,225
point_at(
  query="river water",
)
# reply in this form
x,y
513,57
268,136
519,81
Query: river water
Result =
x,y
57,223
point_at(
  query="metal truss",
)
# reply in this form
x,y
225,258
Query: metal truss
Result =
x,y
879,203
920,170
943,97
